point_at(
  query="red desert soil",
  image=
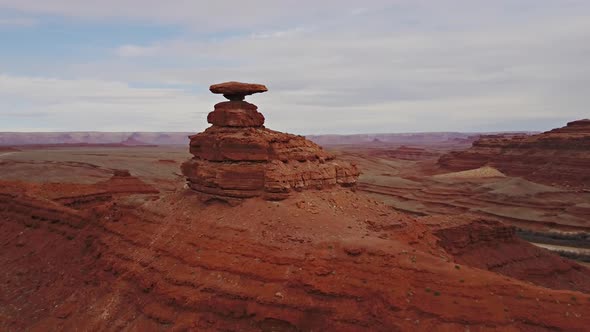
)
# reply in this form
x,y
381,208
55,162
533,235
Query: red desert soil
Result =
x,y
147,254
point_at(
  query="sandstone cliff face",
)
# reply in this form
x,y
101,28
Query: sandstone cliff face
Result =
x,y
407,153
493,246
560,156
330,260
237,157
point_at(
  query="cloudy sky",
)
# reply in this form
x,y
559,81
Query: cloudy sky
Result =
x,y
330,66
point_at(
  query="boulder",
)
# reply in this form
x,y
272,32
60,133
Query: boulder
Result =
x,y
236,91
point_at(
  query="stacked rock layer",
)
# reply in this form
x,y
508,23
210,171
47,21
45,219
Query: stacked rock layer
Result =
x,y
237,157
560,156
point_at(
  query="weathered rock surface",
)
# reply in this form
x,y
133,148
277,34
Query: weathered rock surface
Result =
x,y
322,261
273,180
560,156
238,158
236,91
236,114
221,144
493,246
406,153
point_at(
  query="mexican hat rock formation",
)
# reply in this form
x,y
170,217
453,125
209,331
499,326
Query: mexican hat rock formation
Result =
x,y
237,157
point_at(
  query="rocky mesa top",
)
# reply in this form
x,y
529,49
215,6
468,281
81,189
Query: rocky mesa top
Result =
x,y
236,91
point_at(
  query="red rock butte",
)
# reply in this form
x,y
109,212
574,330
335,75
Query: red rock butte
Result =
x,y
237,157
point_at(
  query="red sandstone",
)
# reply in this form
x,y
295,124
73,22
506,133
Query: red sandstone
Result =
x,y
236,91
560,156
238,158
236,114
328,260
120,254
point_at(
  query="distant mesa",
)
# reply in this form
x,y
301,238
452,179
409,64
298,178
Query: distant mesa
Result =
x,y
579,127
237,157
90,139
133,141
557,157
8,149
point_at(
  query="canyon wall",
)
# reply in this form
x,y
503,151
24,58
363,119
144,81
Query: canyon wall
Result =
x,y
560,156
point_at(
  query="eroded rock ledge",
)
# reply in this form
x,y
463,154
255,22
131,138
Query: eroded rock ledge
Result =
x,y
237,157
560,156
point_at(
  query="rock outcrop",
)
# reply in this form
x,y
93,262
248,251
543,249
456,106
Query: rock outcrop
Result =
x,y
319,261
560,156
493,246
237,157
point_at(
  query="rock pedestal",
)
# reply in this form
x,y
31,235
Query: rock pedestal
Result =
x,y
237,157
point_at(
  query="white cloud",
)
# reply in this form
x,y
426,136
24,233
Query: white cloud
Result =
x,y
480,77
98,105
135,51
200,14
331,66
277,33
